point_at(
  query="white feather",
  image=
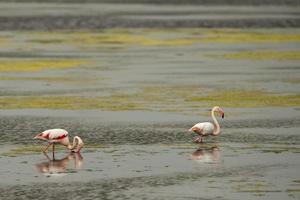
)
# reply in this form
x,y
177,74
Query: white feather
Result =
x,y
207,128
55,133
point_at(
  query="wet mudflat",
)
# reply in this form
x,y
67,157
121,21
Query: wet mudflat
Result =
x,y
154,159
210,171
131,80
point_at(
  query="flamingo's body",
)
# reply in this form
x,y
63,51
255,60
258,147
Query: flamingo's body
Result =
x,y
60,136
207,128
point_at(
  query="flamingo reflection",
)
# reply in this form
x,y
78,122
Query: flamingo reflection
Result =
x,y
60,166
207,155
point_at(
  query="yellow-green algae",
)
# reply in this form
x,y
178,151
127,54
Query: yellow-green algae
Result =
x,y
293,190
59,79
155,99
38,65
23,150
69,102
248,36
160,37
263,55
247,99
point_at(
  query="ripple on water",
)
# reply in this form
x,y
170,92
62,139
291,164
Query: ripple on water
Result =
x,y
20,130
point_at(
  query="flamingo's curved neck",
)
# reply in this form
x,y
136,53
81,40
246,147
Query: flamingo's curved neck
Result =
x,y
217,126
77,144
72,146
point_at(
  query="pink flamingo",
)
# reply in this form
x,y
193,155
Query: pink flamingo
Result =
x,y
206,128
59,136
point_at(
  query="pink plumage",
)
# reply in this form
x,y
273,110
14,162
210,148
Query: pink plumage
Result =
x,y
60,136
208,128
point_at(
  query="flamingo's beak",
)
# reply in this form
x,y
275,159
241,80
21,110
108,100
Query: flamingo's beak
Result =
x,y
37,136
223,115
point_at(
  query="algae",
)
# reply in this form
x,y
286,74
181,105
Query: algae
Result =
x,y
68,102
161,37
58,79
23,150
166,99
39,65
262,55
293,190
247,99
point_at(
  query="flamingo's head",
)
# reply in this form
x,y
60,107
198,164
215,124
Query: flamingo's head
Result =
x,y
77,144
219,110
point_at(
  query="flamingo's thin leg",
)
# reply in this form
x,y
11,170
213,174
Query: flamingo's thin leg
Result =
x,y
198,139
44,150
53,150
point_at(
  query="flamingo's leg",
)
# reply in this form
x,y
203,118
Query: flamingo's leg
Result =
x,y
46,148
47,156
53,151
198,139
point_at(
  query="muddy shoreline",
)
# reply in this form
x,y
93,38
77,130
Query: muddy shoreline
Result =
x,y
97,22
75,16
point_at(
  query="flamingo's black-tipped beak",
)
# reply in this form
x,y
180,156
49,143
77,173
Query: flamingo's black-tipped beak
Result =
x,y
37,136
223,115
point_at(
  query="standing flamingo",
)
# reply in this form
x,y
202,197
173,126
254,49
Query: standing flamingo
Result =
x,y
59,136
207,128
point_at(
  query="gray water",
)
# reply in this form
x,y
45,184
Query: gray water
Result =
x,y
148,153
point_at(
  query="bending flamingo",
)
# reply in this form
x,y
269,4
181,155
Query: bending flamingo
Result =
x,y
60,136
206,128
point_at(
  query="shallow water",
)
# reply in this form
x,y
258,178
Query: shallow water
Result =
x,y
180,171
132,94
151,159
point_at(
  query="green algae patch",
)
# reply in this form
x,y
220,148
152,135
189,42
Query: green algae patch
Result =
x,y
39,65
163,99
68,102
159,37
262,55
247,99
244,36
293,190
24,150
59,79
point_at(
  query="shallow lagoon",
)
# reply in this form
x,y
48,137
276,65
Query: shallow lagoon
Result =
x,y
153,159
132,94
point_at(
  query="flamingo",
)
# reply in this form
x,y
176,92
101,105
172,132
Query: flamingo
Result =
x,y
59,136
207,128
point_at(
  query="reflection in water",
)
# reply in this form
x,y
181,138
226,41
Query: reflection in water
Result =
x,y
207,155
60,166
